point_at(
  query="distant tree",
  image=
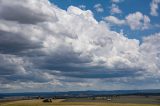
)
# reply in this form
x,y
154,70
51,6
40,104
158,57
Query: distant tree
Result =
x,y
54,97
47,100
147,96
93,98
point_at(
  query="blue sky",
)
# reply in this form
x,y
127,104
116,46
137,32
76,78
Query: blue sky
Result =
x,y
126,6
72,45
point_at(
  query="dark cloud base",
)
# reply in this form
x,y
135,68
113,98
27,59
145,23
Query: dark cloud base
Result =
x,y
46,48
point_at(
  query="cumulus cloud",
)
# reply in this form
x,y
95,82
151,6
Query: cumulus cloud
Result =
x,y
150,48
41,44
138,21
115,9
83,7
10,65
31,13
135,21
114,20
154,7
98,7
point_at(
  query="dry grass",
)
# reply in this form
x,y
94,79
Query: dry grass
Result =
x,y
60,103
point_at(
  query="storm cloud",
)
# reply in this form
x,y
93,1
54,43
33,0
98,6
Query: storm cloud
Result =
x,y
41,44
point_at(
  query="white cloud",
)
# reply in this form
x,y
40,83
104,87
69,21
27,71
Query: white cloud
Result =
x,y
136,21
98,8
154,7
115,9
150,48
116,1
114,20
83,7
56,47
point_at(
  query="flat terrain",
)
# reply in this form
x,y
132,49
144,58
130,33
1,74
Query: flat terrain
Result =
x,y
40,103
120,99
62,102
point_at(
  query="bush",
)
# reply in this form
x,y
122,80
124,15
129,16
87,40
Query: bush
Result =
x,y
47,100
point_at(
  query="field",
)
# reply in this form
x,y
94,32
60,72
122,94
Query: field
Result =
x,y
58,103
122,101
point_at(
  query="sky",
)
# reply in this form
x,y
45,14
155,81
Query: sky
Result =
x,y
77,45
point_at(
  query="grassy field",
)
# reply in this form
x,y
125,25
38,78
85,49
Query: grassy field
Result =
x,y
120,99
60,102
